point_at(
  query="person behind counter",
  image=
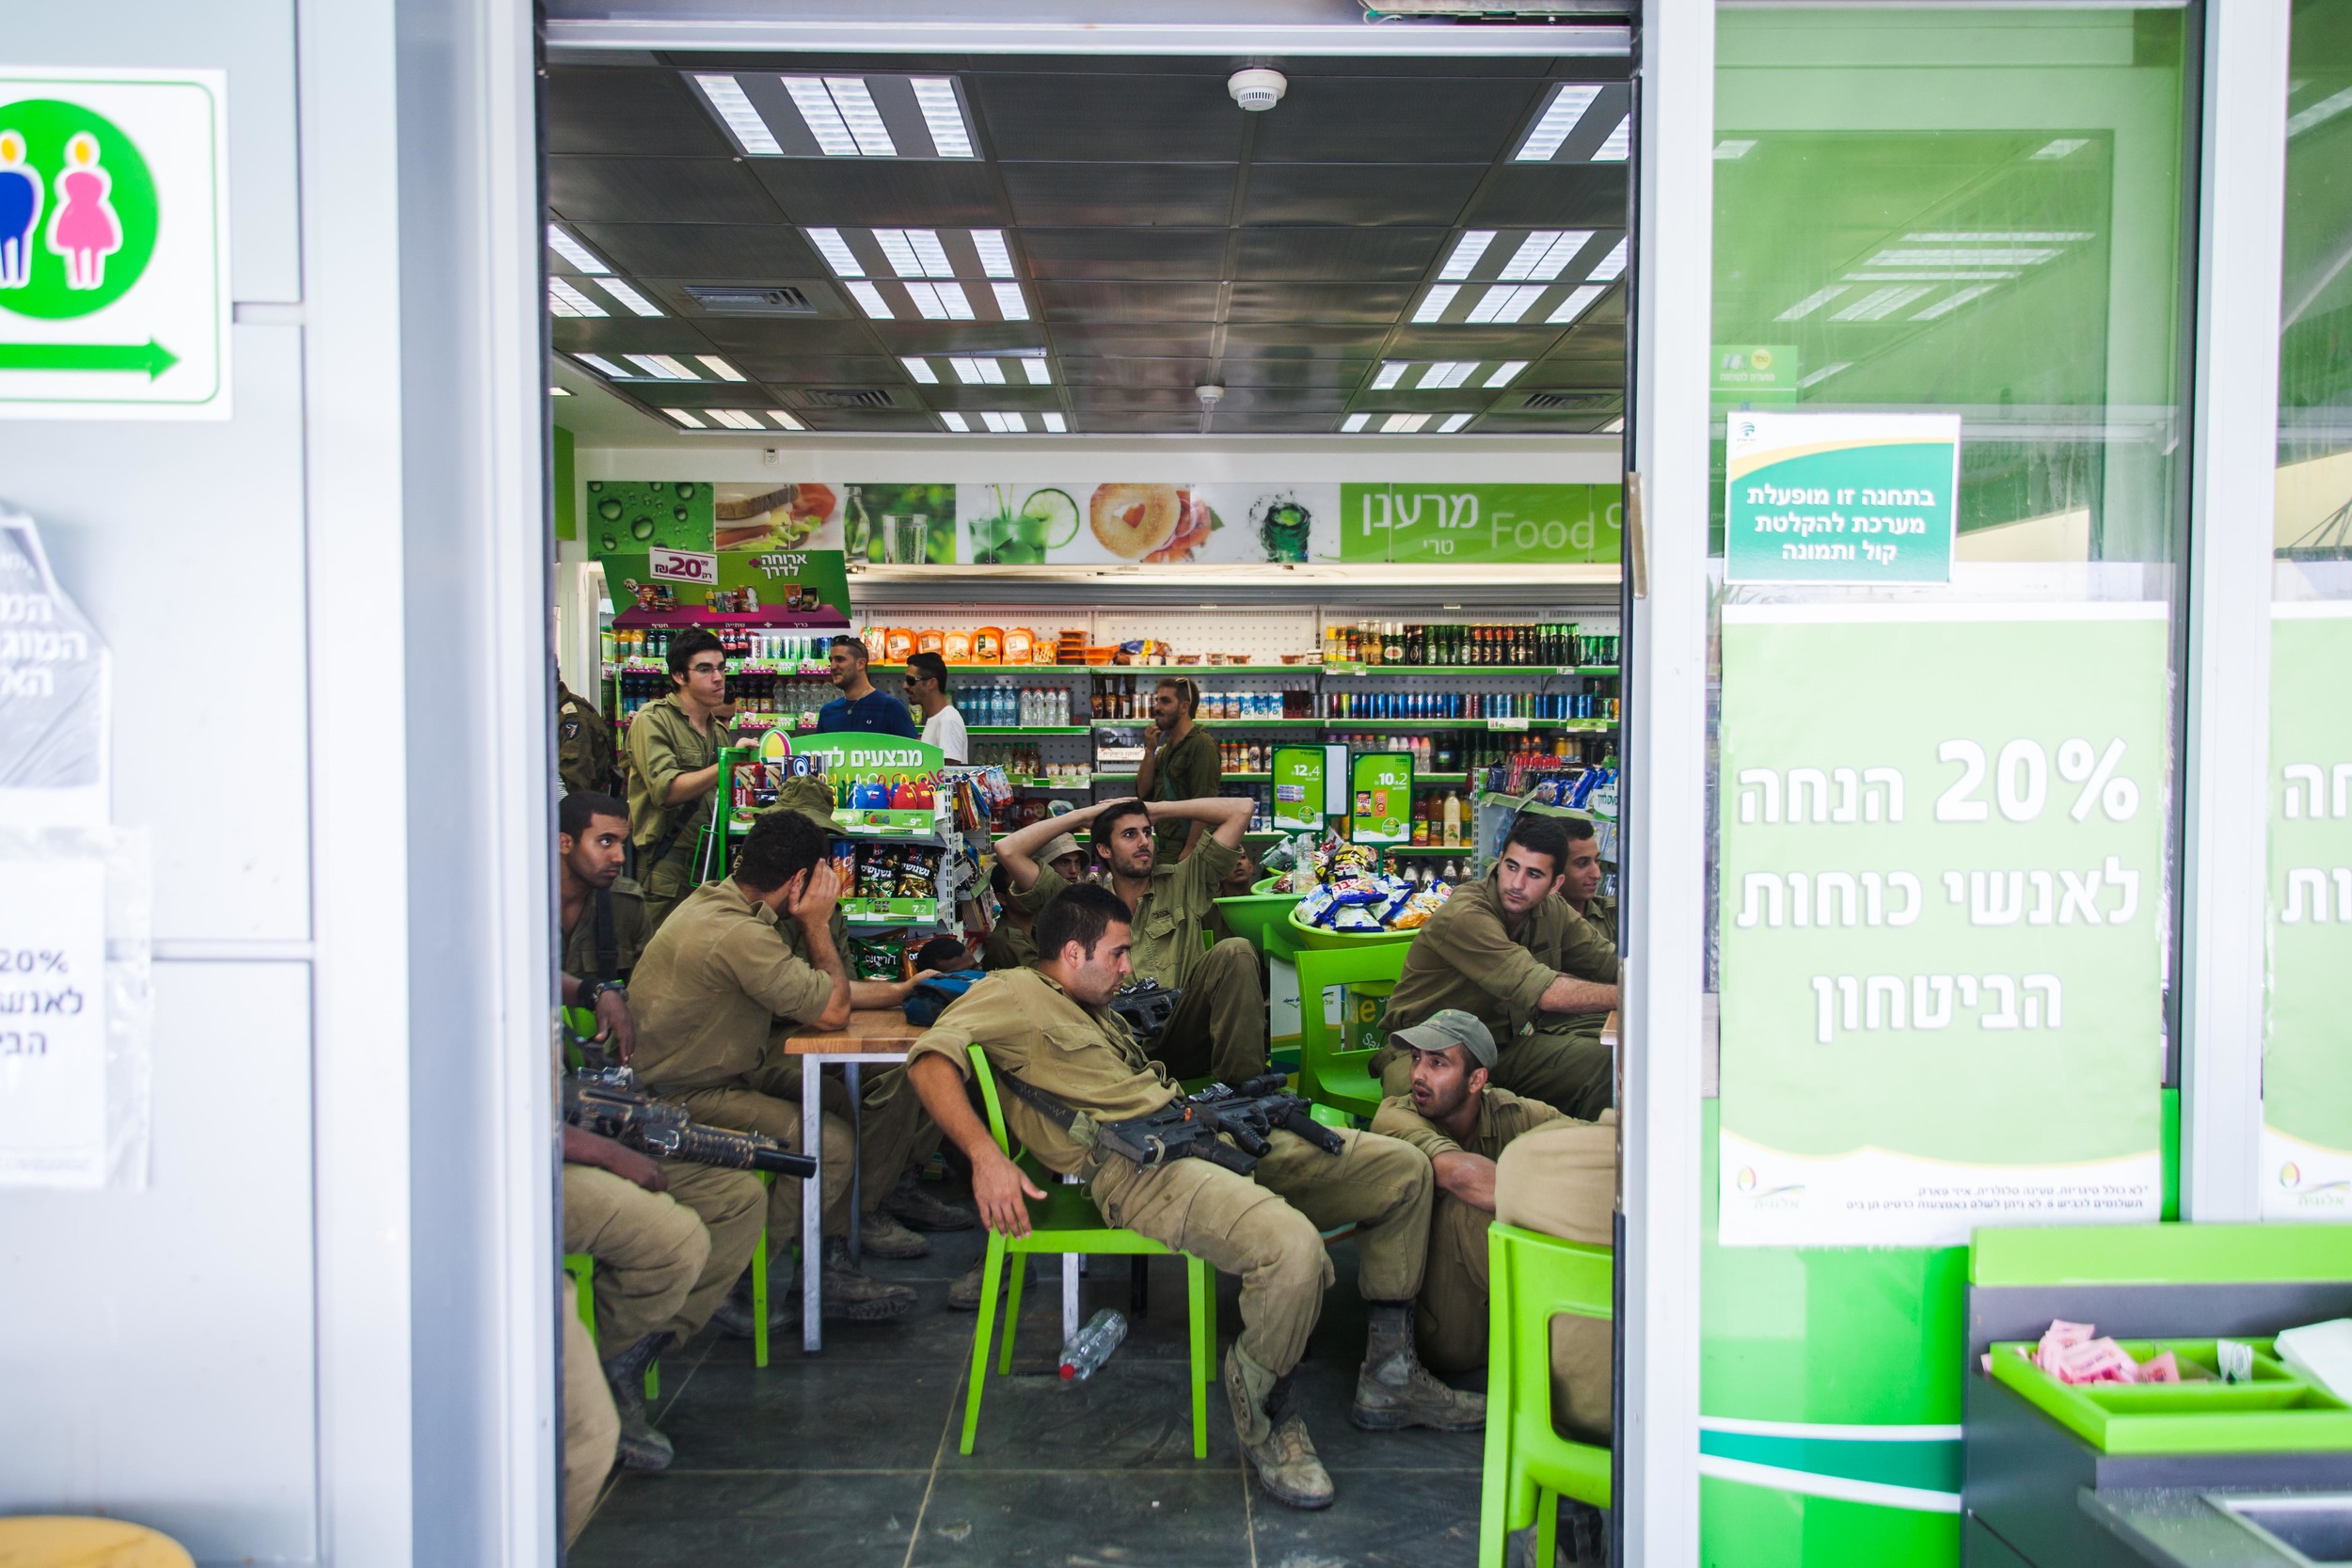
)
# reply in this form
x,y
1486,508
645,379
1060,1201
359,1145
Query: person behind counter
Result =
x,y
1219,1027
860,707
1512,954
1049,1031
1181,762
673,746
942,722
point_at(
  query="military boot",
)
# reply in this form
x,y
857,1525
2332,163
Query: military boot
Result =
x,y
965,1294
1274,1436
851,1295
734,1316
1394,1391
641,1447
880,1234
925,1212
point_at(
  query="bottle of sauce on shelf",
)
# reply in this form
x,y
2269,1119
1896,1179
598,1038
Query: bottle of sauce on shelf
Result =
x,y
1453,819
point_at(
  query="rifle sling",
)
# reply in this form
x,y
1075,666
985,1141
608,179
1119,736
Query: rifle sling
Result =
x,y
608,939
1068,1119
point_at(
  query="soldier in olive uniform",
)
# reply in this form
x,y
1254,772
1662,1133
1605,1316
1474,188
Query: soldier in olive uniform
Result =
x,y
1219,1027
1580,888
1462,1123
1049,1029
673,746
1181,762
583,743
603,911
1512,954
1009,945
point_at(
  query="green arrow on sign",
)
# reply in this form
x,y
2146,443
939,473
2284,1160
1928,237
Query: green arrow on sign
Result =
x,y
150,356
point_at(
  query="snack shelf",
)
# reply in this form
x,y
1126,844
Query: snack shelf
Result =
x,y
1196,669
1427,848
994,730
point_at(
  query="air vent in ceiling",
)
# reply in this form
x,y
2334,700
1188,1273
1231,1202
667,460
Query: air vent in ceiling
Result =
x,y
1568,402
719,300
848,397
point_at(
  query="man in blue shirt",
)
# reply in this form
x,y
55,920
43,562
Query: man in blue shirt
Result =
x,y
860,707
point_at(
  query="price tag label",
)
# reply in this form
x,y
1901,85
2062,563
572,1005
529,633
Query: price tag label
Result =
x,y
1506,723
683,566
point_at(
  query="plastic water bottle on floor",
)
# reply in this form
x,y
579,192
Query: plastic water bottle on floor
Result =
x,y
1093,1346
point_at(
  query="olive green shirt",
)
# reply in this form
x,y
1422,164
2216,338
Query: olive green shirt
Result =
x,y
628,933
1082,1056
662,744
711,986
1008,947
583,743
1601,913
1169,920
1501,1117
1467,958
1188,769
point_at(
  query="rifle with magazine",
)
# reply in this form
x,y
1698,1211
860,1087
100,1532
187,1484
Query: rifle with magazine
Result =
x,y
1198,1126
602,1097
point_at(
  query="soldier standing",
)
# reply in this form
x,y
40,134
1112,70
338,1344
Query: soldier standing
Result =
x,y
673,746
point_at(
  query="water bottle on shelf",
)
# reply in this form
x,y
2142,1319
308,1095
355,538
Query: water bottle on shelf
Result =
x,y
1085,1355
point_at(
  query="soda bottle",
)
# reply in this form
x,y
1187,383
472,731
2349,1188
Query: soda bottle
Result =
x,y
1093,1346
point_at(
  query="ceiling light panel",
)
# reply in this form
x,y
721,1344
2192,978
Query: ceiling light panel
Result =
x,y
1392,372
857,103
629,297
1433,303
660,366
1452,423
725,95
1882,303
559,391
1355,422
1446,374
940,301
784,419
1506,372
1617,145
1610,266
1005,424
976,372
822,120
1953,302
836,252
734,418
719,367
1402,424
868,114
929,253
1731,148
954,420
870,300
602,366
1559,117
1580,299
1543,254
565,300
1467,250
1811,303
1037,371
682,417
899,252
1012,304
995,260
921,370
577,255
1506,302
1056,425
943,116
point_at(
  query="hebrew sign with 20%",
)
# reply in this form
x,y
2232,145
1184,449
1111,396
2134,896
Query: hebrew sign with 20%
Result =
x,y
2020,781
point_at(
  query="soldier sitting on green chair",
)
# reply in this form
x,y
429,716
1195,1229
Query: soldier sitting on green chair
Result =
x,y
1218,1028
1050,1030
1511,952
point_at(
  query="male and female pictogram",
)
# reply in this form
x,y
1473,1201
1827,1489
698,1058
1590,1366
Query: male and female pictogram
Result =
x,y
84,230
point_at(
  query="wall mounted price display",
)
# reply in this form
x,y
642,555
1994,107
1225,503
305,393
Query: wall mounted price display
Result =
x,y
1305,780
1382,810
1840,498
1940,886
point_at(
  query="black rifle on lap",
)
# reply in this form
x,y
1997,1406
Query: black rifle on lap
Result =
x,y
603,1098
1190,1127
1146,1005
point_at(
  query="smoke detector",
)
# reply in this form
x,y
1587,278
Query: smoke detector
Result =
x,y
1257,88
1209,396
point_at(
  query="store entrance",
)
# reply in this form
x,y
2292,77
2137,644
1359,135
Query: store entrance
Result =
x,y
1243,432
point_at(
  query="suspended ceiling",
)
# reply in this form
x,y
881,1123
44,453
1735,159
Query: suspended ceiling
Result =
x,y
1086,240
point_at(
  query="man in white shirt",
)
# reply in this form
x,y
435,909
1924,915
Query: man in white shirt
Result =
x,y
943,726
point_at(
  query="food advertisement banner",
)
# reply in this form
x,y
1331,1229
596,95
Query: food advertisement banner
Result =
x,y
681,551
1383,806
1485,524
2307,1054
1941,883
1840,498
1058,522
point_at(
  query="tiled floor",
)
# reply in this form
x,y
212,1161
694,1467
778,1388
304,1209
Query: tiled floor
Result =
x,y
849,1459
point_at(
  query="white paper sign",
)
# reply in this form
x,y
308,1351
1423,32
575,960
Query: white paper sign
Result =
x,y
52,1023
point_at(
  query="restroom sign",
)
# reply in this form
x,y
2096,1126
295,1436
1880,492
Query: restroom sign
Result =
x,y
114,245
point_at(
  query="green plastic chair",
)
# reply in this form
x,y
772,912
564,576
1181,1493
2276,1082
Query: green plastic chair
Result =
x,y
1067,1222
1530,1466
582,1267
1342,1080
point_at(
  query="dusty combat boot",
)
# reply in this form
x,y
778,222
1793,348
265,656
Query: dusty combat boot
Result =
x,y
641,1447
1394,1391
965,1294
909,1202
1273,1434
884,1237
734,1315
851,1295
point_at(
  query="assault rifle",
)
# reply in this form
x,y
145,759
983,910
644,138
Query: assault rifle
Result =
x,y
603,1098
1190,1126
1147,1005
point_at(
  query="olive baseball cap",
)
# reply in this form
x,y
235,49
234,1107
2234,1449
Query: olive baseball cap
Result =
x,y
1055,847
1452,1026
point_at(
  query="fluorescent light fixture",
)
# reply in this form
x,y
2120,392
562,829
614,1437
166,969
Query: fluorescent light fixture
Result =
x,y
735,418
565,300
937,302
1964,256
573,251
936,97
1824,374
1392,372
870,300
1938,275
1811,303
933,254
1731,147
1617,145
1040,372
1506,372
719,367
1446,373
1452,423
975,373
1953,302
996,260
602,366
2061,147
662,367
1467,250
921,370
1559,116
2320,113
726,96
1056,425
1402,424
1580,299
1542,254
1011,304
1506,302
1881,303
786,420
1614,427
899,251
1433,303
1355,422
864,120
817,111
1610,266
628,296
1005,424
836,252
954,420
554,391
682,417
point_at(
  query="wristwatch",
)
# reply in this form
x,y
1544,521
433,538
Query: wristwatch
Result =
x,y
591,990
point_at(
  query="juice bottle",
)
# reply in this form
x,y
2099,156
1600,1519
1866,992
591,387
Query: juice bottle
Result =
x,y
1453,819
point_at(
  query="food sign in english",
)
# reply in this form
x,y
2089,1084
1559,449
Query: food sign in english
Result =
x,y
1840,498
1486,524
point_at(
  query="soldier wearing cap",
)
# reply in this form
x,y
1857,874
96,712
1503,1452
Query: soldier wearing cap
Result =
x,y
1458,1120
1510,952
1009,945
1067,1063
